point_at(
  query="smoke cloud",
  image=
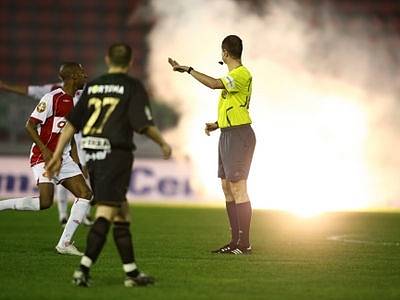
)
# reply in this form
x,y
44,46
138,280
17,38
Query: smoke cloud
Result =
x,y
324,103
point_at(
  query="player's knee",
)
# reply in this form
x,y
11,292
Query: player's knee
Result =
x,y
237,192
225,190
240,195
124,218
85,193
88,194
45,202
225,187
106,212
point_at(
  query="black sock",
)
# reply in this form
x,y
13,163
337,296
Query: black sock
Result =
x,y
133,273
97,238
233,221
244,217
123,241
84,269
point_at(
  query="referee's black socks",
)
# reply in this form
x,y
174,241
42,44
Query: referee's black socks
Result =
x,y
233,221
244,213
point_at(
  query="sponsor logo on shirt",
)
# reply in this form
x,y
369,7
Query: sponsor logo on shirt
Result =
x,y
107,88
58,124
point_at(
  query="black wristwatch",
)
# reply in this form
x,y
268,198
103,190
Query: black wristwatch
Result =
x,y
190,70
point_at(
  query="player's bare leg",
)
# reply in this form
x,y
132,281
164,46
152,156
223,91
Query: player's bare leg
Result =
x,y
62,204
232,216
244,212
88,220
44,201
105,216
239,191
77,186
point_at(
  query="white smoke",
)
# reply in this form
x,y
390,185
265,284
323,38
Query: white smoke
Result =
x,y
323,106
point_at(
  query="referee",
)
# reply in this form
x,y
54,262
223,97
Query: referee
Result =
x,y
237,140
110,109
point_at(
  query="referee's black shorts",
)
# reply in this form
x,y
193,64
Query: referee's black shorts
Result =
x,y
235,152
110,177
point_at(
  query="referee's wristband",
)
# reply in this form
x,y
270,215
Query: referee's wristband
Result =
x,y
190,70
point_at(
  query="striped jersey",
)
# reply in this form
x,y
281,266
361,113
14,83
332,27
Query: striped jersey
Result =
x,y
50,114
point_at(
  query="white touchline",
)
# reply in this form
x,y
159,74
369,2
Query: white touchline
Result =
x,y
348,238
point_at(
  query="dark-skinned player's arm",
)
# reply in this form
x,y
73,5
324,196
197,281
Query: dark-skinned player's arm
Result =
x,y
208,81
14,88
54,165
74,151
31,128
76,159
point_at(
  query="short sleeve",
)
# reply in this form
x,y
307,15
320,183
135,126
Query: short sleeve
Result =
x,y
140,114
230,82
76,115
44,109
38,91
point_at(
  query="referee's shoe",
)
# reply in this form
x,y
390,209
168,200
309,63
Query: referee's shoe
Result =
x,y
140,280
224,249
240,250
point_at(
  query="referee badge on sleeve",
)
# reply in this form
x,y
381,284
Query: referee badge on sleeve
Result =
x,y
41,107
230,82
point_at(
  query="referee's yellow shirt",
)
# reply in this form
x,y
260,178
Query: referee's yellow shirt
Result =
x,y
233,105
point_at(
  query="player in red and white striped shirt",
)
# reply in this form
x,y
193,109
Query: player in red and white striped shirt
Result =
x,y
44,126
37,92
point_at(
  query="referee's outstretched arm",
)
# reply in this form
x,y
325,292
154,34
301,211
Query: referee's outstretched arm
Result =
x,y
208,81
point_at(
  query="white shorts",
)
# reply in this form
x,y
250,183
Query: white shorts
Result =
x,y
68,169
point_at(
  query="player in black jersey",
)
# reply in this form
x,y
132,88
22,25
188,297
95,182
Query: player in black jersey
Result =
x,y
110,109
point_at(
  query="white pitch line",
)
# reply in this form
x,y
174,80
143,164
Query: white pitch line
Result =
x,y
345,238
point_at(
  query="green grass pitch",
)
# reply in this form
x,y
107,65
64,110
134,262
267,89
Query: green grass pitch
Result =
x,y
293,258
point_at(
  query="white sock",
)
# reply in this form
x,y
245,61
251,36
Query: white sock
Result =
x,y
88,212
86,261
62,202
26,203
78,212
129,267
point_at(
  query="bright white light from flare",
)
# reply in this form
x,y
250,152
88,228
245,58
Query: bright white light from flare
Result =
x,y
310,155
320,127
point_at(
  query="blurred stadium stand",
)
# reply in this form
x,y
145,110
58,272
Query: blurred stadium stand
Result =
x,y
36,36
382,13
